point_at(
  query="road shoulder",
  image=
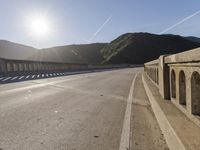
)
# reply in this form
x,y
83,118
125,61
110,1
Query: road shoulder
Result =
x,y
179,131
145,131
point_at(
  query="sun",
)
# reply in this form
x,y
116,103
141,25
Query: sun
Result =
x,y
39,26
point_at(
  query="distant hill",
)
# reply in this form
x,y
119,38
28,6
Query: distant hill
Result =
x,y
130,48
83,53
12,50
138,48
193,38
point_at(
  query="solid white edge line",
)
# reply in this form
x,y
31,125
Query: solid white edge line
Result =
x,y
125,135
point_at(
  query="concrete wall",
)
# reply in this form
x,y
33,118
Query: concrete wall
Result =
x,y
13,67
151,68
178,79
10,67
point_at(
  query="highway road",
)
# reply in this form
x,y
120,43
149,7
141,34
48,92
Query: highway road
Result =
x,y
76,112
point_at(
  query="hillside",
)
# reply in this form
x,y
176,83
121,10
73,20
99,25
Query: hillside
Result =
x,y
84,53
130,48
12,50
193,38
138,48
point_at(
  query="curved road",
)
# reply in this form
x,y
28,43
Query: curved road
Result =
x,y
84,111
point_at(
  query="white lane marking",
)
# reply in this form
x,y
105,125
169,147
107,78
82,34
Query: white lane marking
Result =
x,y
125,135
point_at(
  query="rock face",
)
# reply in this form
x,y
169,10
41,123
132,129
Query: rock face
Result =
x,y
138,48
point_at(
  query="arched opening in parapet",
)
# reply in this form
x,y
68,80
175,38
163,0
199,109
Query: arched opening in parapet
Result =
x,y
29,67
20,67
173,84
182,88
15,67
25,67
35,67
195,93
8,65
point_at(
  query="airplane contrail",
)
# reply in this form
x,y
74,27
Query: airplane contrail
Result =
x,y
100,28
180,22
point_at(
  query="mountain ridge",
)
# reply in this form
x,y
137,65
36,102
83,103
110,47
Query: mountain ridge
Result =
x,y
138,48
73,53
193,38
129,48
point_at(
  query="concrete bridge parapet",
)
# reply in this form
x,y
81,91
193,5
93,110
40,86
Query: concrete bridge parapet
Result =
x,y
15,67
178,79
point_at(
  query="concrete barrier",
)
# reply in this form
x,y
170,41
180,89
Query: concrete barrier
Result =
x,y
178,79
13,67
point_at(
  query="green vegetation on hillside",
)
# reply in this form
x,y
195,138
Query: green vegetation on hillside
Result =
x,y
130,48
193,38
138,48
83,53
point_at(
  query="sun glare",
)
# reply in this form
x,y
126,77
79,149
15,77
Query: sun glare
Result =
x,y
39,26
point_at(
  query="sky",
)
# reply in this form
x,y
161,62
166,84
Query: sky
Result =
x,y
90,21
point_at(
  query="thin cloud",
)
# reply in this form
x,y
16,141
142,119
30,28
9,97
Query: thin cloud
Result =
x,y
180,22
100,28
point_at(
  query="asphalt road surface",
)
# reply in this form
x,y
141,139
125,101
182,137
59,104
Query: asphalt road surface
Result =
x,y
77,112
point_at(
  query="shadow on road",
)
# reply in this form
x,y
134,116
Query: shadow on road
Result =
x,y
20,78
